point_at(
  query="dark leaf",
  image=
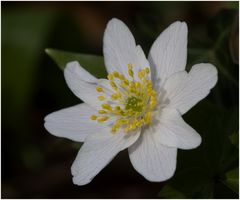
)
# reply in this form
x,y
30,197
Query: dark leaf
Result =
x,y
92,63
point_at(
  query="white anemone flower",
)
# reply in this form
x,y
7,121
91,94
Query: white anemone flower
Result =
x,y
139,106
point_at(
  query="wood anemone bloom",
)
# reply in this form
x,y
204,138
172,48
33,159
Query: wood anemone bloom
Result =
x,y
139,106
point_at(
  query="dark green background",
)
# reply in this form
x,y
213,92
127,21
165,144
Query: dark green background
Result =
x,y
36,164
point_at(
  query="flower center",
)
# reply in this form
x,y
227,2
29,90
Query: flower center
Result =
x,y
132,102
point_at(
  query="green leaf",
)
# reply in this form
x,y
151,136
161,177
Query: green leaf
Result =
x,y
92,63
169,192
234,139
189,183
77,145
232,179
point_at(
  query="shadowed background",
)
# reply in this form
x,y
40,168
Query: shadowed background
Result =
x,y
36,164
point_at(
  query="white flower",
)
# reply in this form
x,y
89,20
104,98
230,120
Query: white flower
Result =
x,y
139,107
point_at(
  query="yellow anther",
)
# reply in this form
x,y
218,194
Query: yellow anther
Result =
x,y
101,98
116,74
119,94
132,85
106,106
117,108
114,86
99,89
103,119
130,71
141,74
132,90
125,84
110,77
130,65
114,96
102,112
149,85
93,117
117,125
147,70
122,121
137,84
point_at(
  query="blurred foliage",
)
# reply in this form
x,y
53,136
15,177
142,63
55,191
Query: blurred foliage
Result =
x,y
22,45
232,179
32,87
235,139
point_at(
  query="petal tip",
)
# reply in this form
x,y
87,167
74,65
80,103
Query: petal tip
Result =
x,y
50,129
71,65
114,21
48,117
180,24
80,182
198,142
45,125
209,69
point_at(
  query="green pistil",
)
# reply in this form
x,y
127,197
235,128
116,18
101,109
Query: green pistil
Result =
x,y
134,104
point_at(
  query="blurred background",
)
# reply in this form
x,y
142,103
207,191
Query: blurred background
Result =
x,y
36,164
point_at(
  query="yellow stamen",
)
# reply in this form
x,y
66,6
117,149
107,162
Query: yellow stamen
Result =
x,y
110,77
133,101
147,70
115,74
99,89
102,112
93,117
103,119
130,71
115,96
106,106
141,74
101,98
113,84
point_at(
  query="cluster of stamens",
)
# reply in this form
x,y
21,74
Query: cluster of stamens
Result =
x,y
134,101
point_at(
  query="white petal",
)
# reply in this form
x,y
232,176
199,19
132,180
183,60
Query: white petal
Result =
x,y
168,53
73,123
184,90
120,49
151,159
174,132
97,151
82,84
104,83
81,72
